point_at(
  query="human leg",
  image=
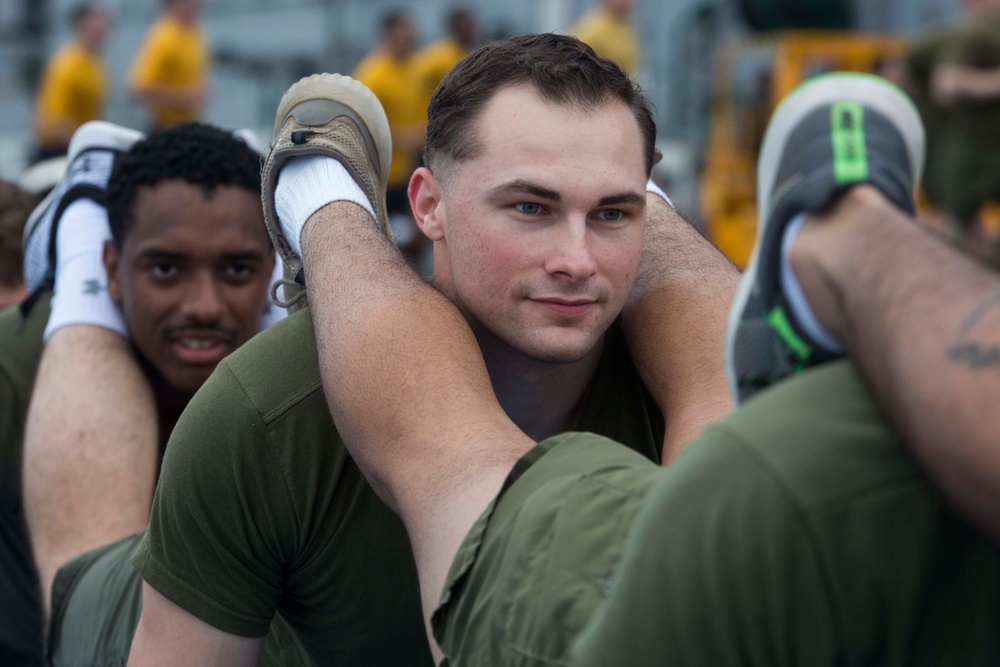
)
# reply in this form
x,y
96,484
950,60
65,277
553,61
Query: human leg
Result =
x,y
82,488
422,422
797,531
868,274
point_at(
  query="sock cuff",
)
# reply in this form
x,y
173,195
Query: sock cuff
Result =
x,y
307,184
81,283
797,301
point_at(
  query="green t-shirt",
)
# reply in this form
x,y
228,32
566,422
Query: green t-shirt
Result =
x,y
260,509
20,603
827,547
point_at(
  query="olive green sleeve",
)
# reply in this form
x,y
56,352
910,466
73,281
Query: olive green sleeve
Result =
x,y
221,526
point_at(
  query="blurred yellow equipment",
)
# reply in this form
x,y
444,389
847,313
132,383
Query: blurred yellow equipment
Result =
x,y
751,77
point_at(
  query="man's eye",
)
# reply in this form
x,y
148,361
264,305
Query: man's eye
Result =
x,y
240,270
163,270
612,215
528,208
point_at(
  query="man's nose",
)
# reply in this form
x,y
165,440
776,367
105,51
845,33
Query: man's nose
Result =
x,y
571,257
203,299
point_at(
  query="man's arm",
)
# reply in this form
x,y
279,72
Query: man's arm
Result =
x,y
168,635
928,342
954,83
675,323
90,447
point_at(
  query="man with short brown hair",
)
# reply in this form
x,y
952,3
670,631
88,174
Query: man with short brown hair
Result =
x,y
536,203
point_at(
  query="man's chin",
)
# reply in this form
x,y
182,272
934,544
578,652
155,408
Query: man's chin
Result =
x,y
562,353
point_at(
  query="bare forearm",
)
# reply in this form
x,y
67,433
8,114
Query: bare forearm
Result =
x,y
675,323
929,345
169,635
90,447
953,82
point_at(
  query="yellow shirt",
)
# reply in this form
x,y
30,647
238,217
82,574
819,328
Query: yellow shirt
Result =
x,y
432,63
73,90
173,55
610,37
394,83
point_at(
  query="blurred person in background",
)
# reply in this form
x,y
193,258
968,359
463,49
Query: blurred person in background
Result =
x,y
434,61
74,86
610,31
954,77
389,72
15,207
169,75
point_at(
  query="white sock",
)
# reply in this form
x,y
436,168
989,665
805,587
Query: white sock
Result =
x,y
797,301
81,285
307,184
657,190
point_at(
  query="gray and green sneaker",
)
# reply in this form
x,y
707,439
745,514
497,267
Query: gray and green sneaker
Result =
x,y
336,116
833,132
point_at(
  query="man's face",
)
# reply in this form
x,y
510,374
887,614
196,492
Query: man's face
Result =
x,y
401,38
186,11
93,30
622,8
538,238
192,276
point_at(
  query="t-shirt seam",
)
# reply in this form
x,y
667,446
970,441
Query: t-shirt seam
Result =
x,y
268,447
147,561
269,451
270,416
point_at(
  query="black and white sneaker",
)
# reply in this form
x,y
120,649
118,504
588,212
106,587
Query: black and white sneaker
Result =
x,y
92,153
833,132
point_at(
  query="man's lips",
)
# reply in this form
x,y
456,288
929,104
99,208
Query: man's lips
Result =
x,y
565,307
200,347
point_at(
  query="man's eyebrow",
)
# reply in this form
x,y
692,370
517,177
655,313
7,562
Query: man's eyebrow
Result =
x,y
622,198
522,186
161,254
246,256
525,187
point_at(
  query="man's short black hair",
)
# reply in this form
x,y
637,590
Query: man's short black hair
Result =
x,y
196,153
82,12
393,18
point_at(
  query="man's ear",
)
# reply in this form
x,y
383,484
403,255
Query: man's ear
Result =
x,y
112,265
427,203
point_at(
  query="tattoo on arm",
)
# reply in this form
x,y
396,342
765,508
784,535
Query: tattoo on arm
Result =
x,y
977,344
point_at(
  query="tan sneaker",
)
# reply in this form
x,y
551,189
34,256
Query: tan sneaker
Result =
x,y
333,115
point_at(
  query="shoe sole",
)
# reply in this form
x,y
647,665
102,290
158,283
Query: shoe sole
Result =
x,y
318,99
84,139
874,93
96,135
